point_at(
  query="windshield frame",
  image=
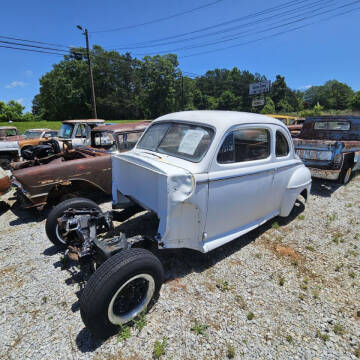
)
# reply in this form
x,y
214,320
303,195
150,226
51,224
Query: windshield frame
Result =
x,y
27,132
331,121
211,130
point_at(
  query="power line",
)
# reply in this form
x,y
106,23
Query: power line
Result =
x,y
251,23
33,41
245,17
37,51
239,35
32,46
272,35
159,19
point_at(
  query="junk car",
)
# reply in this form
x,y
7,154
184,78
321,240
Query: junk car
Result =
x,y
9,133
75,172
206,177
5,182
330,146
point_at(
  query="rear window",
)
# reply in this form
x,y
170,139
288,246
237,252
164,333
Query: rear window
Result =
x,y
332,125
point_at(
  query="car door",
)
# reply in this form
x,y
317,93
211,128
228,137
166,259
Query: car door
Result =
x,y
80,135
240,182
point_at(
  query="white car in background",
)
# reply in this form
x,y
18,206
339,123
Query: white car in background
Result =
x,y
208,177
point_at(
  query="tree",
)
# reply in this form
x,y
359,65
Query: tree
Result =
x,y
355,101
11,111
228,101
269,107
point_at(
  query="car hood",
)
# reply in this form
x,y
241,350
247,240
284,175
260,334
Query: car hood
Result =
x,y
9,145
150,181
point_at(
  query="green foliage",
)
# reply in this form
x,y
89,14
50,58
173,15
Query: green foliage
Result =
x,y
140,322
355,101
269,107
230,351
11,111
159,348
198,328
250,315
124,333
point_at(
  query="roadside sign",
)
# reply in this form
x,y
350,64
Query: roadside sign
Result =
x,y
259,87
258,102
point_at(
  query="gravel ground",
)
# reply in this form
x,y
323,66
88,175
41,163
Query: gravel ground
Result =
x,y
288,290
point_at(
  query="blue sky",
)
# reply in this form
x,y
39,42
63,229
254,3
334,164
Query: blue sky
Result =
x,y
307,56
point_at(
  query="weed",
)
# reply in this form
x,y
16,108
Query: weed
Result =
x,y
159,348
258,256
356,236
250,315
339,266
323,337
239,299
310,248
282,281
352,274
353,253
331,217
349,205
44,300
50,317
295,263
301,297
124,333
338,329
140,322
223,285
275,225
316,294
357,352
301,217
230,351
337,238
289,339
198,328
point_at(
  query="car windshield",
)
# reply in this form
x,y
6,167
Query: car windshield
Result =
x,y
29,134
332,125
66,131
185,141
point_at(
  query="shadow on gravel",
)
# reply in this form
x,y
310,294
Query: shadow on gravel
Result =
x,y
4,207
86,342
324,188
25,216
179,263
52,250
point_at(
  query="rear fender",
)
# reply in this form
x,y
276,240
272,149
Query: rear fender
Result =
x,y
299,183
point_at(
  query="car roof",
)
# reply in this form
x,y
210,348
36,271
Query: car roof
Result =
x,y
138,125
221,120
84,121
39,130
8,127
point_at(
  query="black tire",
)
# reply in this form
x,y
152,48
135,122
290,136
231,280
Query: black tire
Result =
x,y
51,225
101,290
346,172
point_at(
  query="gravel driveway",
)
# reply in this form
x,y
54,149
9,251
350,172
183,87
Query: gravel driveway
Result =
x,y
288,290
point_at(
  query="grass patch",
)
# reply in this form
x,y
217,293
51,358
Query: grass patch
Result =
x,y
352,274
331,218
349,205
230,351
124,333
301,217
282,281
275,225
338,329
258,256
250,315
323,337
310,248
159,348
198,328
289,339
140,322
223,285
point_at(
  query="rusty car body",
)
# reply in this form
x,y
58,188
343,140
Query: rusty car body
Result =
x,y
330,146
9,133
5,182
74,172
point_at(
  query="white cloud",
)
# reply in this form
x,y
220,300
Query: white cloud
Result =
x,y
29,73
20,101
305,87
15,84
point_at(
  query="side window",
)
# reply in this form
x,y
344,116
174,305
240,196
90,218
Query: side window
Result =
x,y
245,145
81,131
282,145
127,141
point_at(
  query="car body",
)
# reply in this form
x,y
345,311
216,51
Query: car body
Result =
x,y
77,132
5,182
12,148
206,201
206,177
9,133
83,170
330,146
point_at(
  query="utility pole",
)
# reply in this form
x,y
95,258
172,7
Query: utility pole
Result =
x,y
94,113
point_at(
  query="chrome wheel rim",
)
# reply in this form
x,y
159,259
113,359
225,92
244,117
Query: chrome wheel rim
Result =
x,y
60,238
131,299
